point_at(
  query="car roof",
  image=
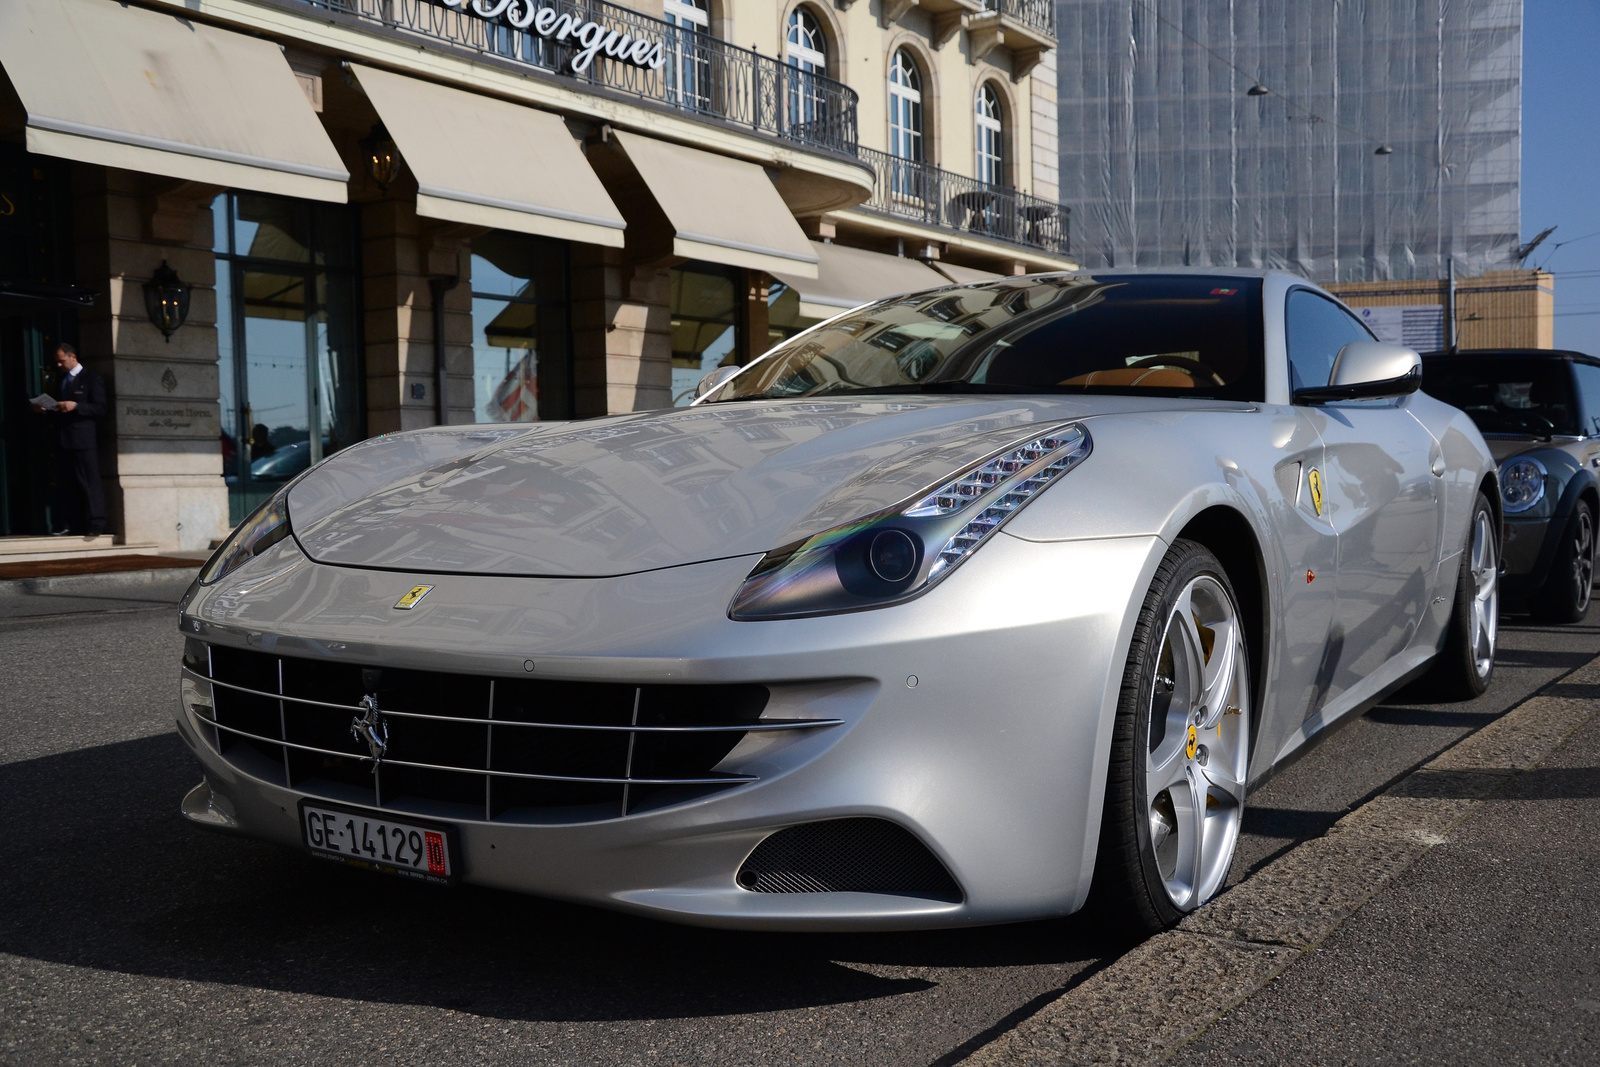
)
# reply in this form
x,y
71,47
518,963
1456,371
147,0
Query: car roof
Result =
x,y
1531,353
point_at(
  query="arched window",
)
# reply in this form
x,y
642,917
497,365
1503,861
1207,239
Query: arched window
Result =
x,y
807,47
991,137
905,108
806,50
688,71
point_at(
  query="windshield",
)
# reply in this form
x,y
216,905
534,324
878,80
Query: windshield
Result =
x,y
1175,335
1518,395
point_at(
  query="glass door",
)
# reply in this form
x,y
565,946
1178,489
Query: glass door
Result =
x,y
290,369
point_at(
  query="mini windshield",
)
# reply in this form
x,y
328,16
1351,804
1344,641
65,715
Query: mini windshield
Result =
x,y
1516,395
1176,335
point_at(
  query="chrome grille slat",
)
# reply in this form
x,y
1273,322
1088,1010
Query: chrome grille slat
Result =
x,y
754,726
568,752
730,779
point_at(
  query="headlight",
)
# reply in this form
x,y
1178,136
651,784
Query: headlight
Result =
x,y
904,550
266,526
1522,484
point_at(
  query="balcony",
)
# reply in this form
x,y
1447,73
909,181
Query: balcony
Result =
x,y
700,75
1027,28
906,189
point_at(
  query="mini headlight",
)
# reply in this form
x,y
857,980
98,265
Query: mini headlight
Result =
x,y
906,549
1522,484
266,526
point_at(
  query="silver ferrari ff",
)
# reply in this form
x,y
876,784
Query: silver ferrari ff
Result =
x,y
959,608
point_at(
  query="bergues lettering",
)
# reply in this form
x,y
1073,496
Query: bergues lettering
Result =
x,y
590,38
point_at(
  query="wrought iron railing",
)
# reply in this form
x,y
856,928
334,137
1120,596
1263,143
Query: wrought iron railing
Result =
x,y
700,74
1040,14
908,189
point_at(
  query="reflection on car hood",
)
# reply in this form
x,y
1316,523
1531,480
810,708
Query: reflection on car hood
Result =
x,y
1503,446
656,489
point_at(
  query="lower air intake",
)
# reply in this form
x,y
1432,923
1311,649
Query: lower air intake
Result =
x,y
847,856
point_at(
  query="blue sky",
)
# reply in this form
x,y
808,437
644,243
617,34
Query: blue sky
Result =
x,y
1561,158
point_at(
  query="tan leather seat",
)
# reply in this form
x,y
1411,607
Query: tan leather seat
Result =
x,y
1148,377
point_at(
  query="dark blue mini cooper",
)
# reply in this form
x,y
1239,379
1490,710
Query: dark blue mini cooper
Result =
x,y
1539,411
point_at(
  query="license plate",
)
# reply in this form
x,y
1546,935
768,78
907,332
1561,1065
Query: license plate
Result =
x,y
395,846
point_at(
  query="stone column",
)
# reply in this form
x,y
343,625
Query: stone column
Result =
x,y
621,333
399,252
160,443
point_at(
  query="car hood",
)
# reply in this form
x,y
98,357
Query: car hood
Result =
x,y
639,492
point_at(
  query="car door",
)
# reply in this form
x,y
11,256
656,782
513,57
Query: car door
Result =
x,y
1378,492
1588,375
1303,667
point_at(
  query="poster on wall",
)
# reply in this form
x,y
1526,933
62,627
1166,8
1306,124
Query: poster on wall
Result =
x,y
1417,326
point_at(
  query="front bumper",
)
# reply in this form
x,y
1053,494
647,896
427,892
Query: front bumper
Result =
x,y
994,758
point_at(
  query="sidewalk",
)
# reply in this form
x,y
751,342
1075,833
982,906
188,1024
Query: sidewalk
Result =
x,y
1454,918
1486,950
126,588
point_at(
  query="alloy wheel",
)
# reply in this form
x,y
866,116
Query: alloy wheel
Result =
x,y
1199,729
1583,560
1485,567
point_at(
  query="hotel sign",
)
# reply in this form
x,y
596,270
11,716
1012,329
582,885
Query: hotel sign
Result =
x,y
588,38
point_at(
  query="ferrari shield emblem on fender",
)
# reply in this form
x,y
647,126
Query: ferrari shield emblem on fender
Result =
x,y
409,601
1314,479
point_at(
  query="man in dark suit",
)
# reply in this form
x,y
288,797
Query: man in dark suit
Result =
x,y
80,396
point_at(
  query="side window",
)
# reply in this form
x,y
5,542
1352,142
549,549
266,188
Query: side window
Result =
x,y
1589,396
1316,328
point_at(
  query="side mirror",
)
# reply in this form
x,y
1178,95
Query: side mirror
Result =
x,y
714,379
1365,370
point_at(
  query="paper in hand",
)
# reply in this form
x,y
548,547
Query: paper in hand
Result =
x,y
44,400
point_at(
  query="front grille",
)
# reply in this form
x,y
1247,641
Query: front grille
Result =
x,y
847,856
512,749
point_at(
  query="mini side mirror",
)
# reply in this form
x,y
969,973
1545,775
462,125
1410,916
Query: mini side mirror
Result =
x,y
1366,370
714,379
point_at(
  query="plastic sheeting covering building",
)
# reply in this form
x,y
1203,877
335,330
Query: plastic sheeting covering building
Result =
x,y
1167,158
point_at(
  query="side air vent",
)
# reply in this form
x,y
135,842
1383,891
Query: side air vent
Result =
x,y
847,856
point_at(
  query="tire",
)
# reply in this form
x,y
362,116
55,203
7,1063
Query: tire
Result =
x,y
1465,664
1566,593
1175,786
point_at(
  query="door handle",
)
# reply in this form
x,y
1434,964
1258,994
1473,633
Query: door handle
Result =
x,y
1438,465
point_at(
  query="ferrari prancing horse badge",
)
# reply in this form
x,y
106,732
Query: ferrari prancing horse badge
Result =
x,y
1314,479
409,601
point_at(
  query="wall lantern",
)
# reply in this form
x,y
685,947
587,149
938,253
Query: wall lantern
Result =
x,y
166,300
382,156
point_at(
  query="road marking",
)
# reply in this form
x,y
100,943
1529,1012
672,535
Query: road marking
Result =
x,y
1127,1013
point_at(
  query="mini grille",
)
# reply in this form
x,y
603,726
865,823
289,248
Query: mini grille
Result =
x,y
517,749
847,856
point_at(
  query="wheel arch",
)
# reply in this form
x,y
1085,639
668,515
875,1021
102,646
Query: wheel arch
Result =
x,y
1229,536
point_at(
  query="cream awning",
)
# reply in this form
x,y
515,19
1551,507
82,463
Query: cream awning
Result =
x,y
126,87
850,277
489,162
721,210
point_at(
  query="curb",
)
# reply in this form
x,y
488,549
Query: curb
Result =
x,y
89,584
1164,993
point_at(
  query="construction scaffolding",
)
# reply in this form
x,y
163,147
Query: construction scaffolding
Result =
x,y
1344,140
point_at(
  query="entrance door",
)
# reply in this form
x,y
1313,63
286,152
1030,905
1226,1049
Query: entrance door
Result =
x,y
290,388
25,454
36,314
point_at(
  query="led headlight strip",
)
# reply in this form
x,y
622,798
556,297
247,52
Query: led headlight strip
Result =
x,y
902,551
1065,450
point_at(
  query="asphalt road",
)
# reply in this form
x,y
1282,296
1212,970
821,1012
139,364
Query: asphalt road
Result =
x,y
127,936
